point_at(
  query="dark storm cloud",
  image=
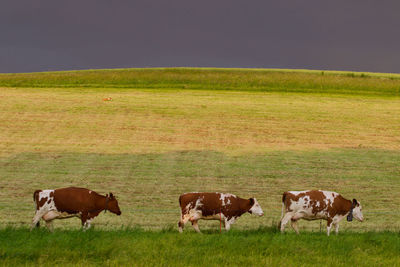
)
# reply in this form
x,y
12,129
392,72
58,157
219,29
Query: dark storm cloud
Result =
x,y
60,35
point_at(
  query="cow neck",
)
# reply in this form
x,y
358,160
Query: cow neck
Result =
x,y
100,207
350,211
245,206
349,205
106,204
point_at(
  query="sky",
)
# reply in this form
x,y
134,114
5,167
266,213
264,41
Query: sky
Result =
x,y
355,35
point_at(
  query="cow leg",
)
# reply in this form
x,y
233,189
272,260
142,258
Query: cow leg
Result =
x,y
87,223
293,221
49,217
285,220
84,217
196,225
228,223
49,225
294,225
36,219
328,226
90,217
194,217
181,224
337,228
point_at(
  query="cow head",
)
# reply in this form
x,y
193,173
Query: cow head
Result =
x,y
112,204
255,208
357,210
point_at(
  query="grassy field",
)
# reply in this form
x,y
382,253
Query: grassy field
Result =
x,y
135,247
254,133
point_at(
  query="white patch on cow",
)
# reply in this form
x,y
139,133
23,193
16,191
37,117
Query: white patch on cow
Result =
x,y
198,203
299,205
194,213
317,204
329,197
45,194
256,208
187,207
90,191
223,196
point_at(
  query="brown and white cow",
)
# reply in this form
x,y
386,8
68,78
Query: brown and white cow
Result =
x,y
214,206
71,202
318,204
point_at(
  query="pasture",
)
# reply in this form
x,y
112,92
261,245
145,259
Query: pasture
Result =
x,y
254,133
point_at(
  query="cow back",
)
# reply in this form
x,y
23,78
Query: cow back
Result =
x,y
75,199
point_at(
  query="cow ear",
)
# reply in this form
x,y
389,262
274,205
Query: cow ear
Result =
x,y
251,201
111,195
355,202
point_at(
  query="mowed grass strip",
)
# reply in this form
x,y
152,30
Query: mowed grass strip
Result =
x,y
148,185
135,247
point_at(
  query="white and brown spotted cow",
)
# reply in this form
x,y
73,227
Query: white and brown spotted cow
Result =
x,y
71,202
214,206
317,204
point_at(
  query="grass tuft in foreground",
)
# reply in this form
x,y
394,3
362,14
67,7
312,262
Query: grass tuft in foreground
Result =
x,y
137,247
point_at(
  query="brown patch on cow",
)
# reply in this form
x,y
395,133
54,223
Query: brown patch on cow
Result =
x,y
48,202
75,200
317,202
36,198
51,194
340,206
41,202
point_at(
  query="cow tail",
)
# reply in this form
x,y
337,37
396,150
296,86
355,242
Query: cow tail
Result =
x,y
283,204
283,210
180,201
180,204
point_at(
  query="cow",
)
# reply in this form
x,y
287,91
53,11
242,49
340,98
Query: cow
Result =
x,y
214,206
318,204
71,202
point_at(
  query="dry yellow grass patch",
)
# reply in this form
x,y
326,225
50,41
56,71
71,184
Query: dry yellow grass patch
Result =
x,y
157,121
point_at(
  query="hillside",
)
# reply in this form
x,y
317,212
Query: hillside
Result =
x,y
254,133
259,80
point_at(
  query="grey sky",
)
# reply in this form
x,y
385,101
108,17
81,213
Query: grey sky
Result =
x,y
44,35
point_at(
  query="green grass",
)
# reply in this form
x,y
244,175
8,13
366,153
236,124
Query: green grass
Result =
x,y
326,82
135,247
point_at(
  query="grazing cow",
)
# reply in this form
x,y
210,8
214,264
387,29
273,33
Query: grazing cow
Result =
x,y
215,206
71,202
317,204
